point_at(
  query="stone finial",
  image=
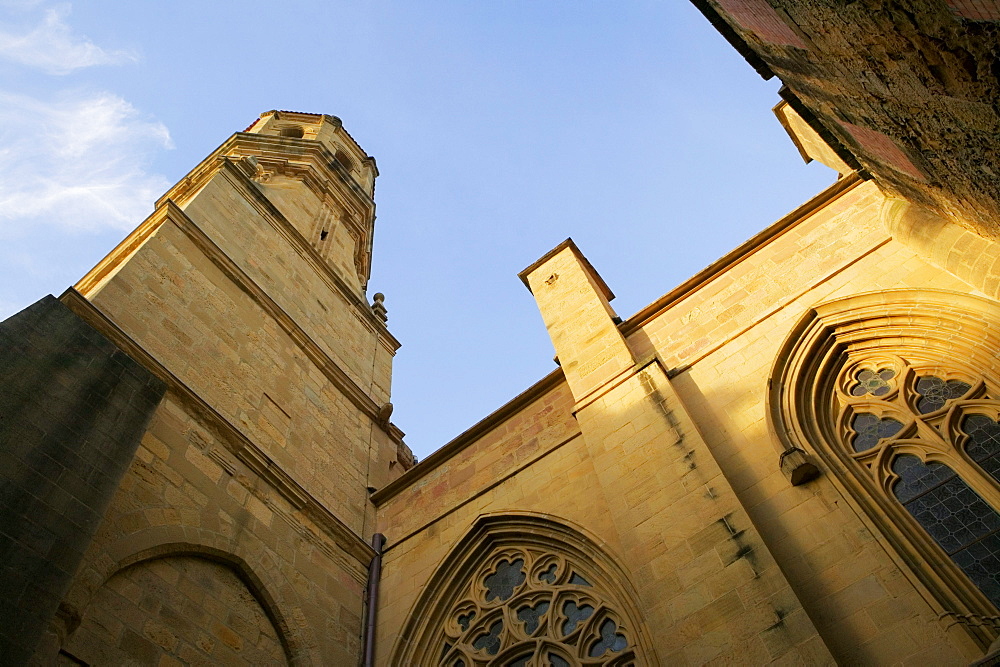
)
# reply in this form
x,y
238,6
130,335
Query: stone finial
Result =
x,y
379,307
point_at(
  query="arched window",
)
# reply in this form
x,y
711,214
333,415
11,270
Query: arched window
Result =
x,y
896,393
523,591
929,436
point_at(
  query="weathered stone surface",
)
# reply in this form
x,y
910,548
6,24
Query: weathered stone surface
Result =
x,y
244,293
910,88
656,459
678,479
73,408
185,608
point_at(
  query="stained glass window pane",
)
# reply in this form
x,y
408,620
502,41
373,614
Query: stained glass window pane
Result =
x,y
556,661
954,514
577,580
870,382
984,443
958,519
520,662
981,562
532,616
610,640
575,615
935,392
870,429
502,583
491,640
465,619
916,478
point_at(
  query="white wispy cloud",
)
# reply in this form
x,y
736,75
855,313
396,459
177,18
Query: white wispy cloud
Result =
x,y
77,160
53,47
19,5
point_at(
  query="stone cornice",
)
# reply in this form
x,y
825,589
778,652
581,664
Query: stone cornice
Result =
x,y
239,175
488,423
745,250
334,121
360,228
302,151
305,159
244,449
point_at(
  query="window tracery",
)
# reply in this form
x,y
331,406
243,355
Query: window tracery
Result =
x,y
523,589
930,437
528,607
895,393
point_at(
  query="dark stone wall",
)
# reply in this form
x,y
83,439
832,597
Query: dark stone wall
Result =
x,y
73,408
911,88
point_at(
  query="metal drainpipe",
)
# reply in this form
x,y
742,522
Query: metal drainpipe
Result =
x,y
374,573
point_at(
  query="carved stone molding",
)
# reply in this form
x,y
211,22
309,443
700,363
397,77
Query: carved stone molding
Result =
x,y
864,381
525,589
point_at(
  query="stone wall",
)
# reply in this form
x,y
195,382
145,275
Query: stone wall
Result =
x,y
671,465
253,477
226,347
187,493
173,611
864,604
526,462
908,88
72,409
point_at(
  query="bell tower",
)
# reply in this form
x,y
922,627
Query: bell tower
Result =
x,y
322,181
245,294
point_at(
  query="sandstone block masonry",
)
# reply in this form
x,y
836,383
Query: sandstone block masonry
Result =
x,y
73,408
237,529
651,446
632,502
665,489
906,90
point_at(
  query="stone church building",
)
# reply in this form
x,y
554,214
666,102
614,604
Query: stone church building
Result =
x,y
793,457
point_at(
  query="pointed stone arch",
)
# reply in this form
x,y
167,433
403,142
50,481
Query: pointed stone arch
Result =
x,y
814,397
277,599
520,584
261,592
182,605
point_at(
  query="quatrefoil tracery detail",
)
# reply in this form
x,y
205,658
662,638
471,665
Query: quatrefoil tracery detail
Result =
x,y
527,608
930,438
884,401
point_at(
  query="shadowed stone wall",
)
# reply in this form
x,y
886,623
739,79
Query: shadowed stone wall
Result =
x,y
909,89
185,608
73,408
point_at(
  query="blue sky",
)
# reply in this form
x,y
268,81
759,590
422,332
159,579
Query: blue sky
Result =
x,y
500,128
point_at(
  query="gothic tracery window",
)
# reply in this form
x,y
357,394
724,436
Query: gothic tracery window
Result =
x,y
523,589
532,608
896,392
930,437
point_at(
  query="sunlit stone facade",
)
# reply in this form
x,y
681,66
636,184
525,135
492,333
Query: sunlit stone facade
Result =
x,y
792,457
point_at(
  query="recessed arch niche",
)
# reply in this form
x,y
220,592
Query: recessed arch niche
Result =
x,y
187,605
